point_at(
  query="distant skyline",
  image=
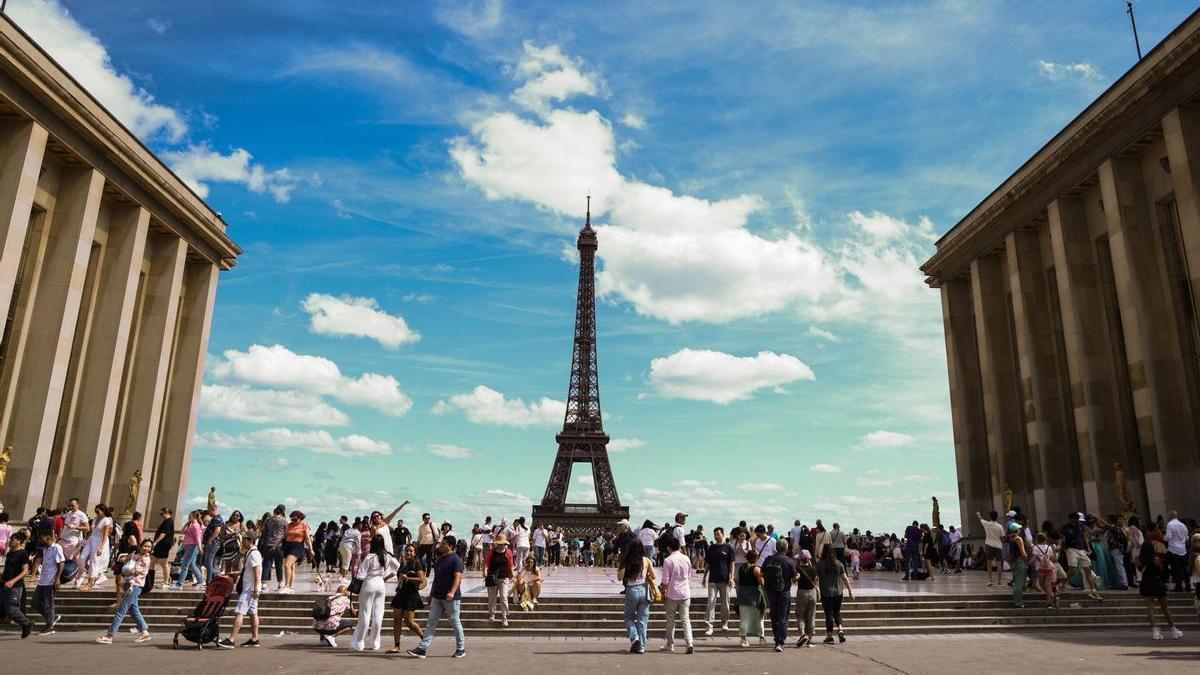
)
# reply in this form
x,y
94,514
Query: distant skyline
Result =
x,y
407,181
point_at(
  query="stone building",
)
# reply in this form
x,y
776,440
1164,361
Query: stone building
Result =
x,y
108,270
1069,297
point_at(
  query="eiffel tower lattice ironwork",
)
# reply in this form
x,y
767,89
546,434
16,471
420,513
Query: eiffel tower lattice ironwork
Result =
x,y
582,439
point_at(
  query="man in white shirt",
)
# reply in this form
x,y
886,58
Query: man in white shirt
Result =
x,y
762,543
956,549
43,596
75,526
539,545
993,534
1176,538
677,529
247,602
794,535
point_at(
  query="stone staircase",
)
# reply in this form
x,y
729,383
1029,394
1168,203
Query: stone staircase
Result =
x,y
603,616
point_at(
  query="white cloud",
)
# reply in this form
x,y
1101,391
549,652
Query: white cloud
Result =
x,y
1056,72
158,24
625,444
360,317
633,121
279,367
825,468
822,334
484,405
473,18
320,442
585,479
82,55
873,482
452,451
198,165
885,439
761,487
549,76
705,375
267,406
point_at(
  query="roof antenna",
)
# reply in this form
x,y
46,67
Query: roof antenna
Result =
x,y
1133,23
589,210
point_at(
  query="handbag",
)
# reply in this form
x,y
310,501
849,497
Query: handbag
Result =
x,y
148,585
653,593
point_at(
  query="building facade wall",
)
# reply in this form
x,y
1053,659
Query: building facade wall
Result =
x,y
108,274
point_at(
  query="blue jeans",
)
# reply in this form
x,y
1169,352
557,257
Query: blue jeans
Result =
x,y
912,560
211,553
129,604
539,555
637,612
450,609
188,565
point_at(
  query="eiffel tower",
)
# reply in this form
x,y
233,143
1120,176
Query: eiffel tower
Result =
x,y
582,438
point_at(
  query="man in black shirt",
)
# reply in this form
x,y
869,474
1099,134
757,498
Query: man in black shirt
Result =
x,y
779,573
1075,545
12,583
401,536
718,578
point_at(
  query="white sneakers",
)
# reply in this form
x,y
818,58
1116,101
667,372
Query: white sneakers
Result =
x,y
1157,634
328,639
708,631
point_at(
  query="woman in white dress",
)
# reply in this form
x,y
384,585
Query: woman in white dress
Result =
x,y
376,567
96,552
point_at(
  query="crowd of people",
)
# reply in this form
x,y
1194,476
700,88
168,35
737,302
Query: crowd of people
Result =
x,y
751,572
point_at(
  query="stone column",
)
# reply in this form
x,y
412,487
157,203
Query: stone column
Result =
x,y
1059,489
1181,131
1001,400
1099,424
151,361
90,436
24,143
38,394
966,404
175,457
1160,395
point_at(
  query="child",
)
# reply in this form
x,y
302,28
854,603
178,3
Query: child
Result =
x,y
855,556
1044,561
897,557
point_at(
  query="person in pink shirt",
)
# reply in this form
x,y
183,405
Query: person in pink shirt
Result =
x,y
677,594
134,573
192,533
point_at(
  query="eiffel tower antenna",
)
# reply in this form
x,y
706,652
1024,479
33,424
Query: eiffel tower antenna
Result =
x,y
1133,23
582,439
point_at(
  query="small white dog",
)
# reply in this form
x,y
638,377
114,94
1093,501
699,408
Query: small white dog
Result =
x,y
324,584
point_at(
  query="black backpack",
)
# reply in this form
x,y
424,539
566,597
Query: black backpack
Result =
x,y
321,609
774,579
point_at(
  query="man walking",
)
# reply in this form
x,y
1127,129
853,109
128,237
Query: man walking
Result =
x,y
993,535
270,545
12,590
677,593
212,543
445,599
1176,538
52,560
779,573
1074,537
247,601
427,537
912,550
807,597
718,578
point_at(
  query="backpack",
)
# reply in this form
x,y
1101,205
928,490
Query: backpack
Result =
x,y
774,578
322,608
69,569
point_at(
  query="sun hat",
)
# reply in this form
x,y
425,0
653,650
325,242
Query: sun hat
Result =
x,y
1010,514
500,540
805,555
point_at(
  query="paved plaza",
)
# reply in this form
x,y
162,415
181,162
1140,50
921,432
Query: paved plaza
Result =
x,y
1074,652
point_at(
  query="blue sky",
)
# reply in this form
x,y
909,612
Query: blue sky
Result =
x,y
407,181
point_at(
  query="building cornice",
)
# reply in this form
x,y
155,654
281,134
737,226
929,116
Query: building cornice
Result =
x,y
76,119
1135,104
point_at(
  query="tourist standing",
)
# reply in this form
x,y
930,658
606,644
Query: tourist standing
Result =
x,y
807,589
296,543
763,545
98,550
75,526
1043,561
12,582
1117,541
1176,539
1018,562
193,533
1153,589
647,536
247,601
212,546
406,602
375,570
164,541
445,599
718,579
636,572
837,539
1136,539
993,534
751,604
539,545
349,551
677,592
498,576
270,544
427,538
779,573
821,539
832,578
134,573
51,558
520,541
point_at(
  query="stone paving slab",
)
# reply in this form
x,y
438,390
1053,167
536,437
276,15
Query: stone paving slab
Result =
x,y
1077,652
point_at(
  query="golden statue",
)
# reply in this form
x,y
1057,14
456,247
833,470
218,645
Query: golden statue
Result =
x,y
1123,495
212,498
135,486
1008,498
5,458
937,513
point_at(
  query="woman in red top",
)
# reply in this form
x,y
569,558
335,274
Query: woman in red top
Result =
x,y
296,543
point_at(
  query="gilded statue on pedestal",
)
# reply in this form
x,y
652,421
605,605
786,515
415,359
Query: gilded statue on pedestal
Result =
x,y
5,458
937,513
135,486
1008,498
212,498
1123,495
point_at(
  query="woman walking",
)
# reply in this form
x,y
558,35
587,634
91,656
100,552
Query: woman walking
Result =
x,y
192,533
1044,561
1153,588
134,572
318,547
520,540
528,585
636,572
647,536
96,553
407,600
498,577
296,542
374,570
750,600
231,542
1018,560
164,541
832,578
